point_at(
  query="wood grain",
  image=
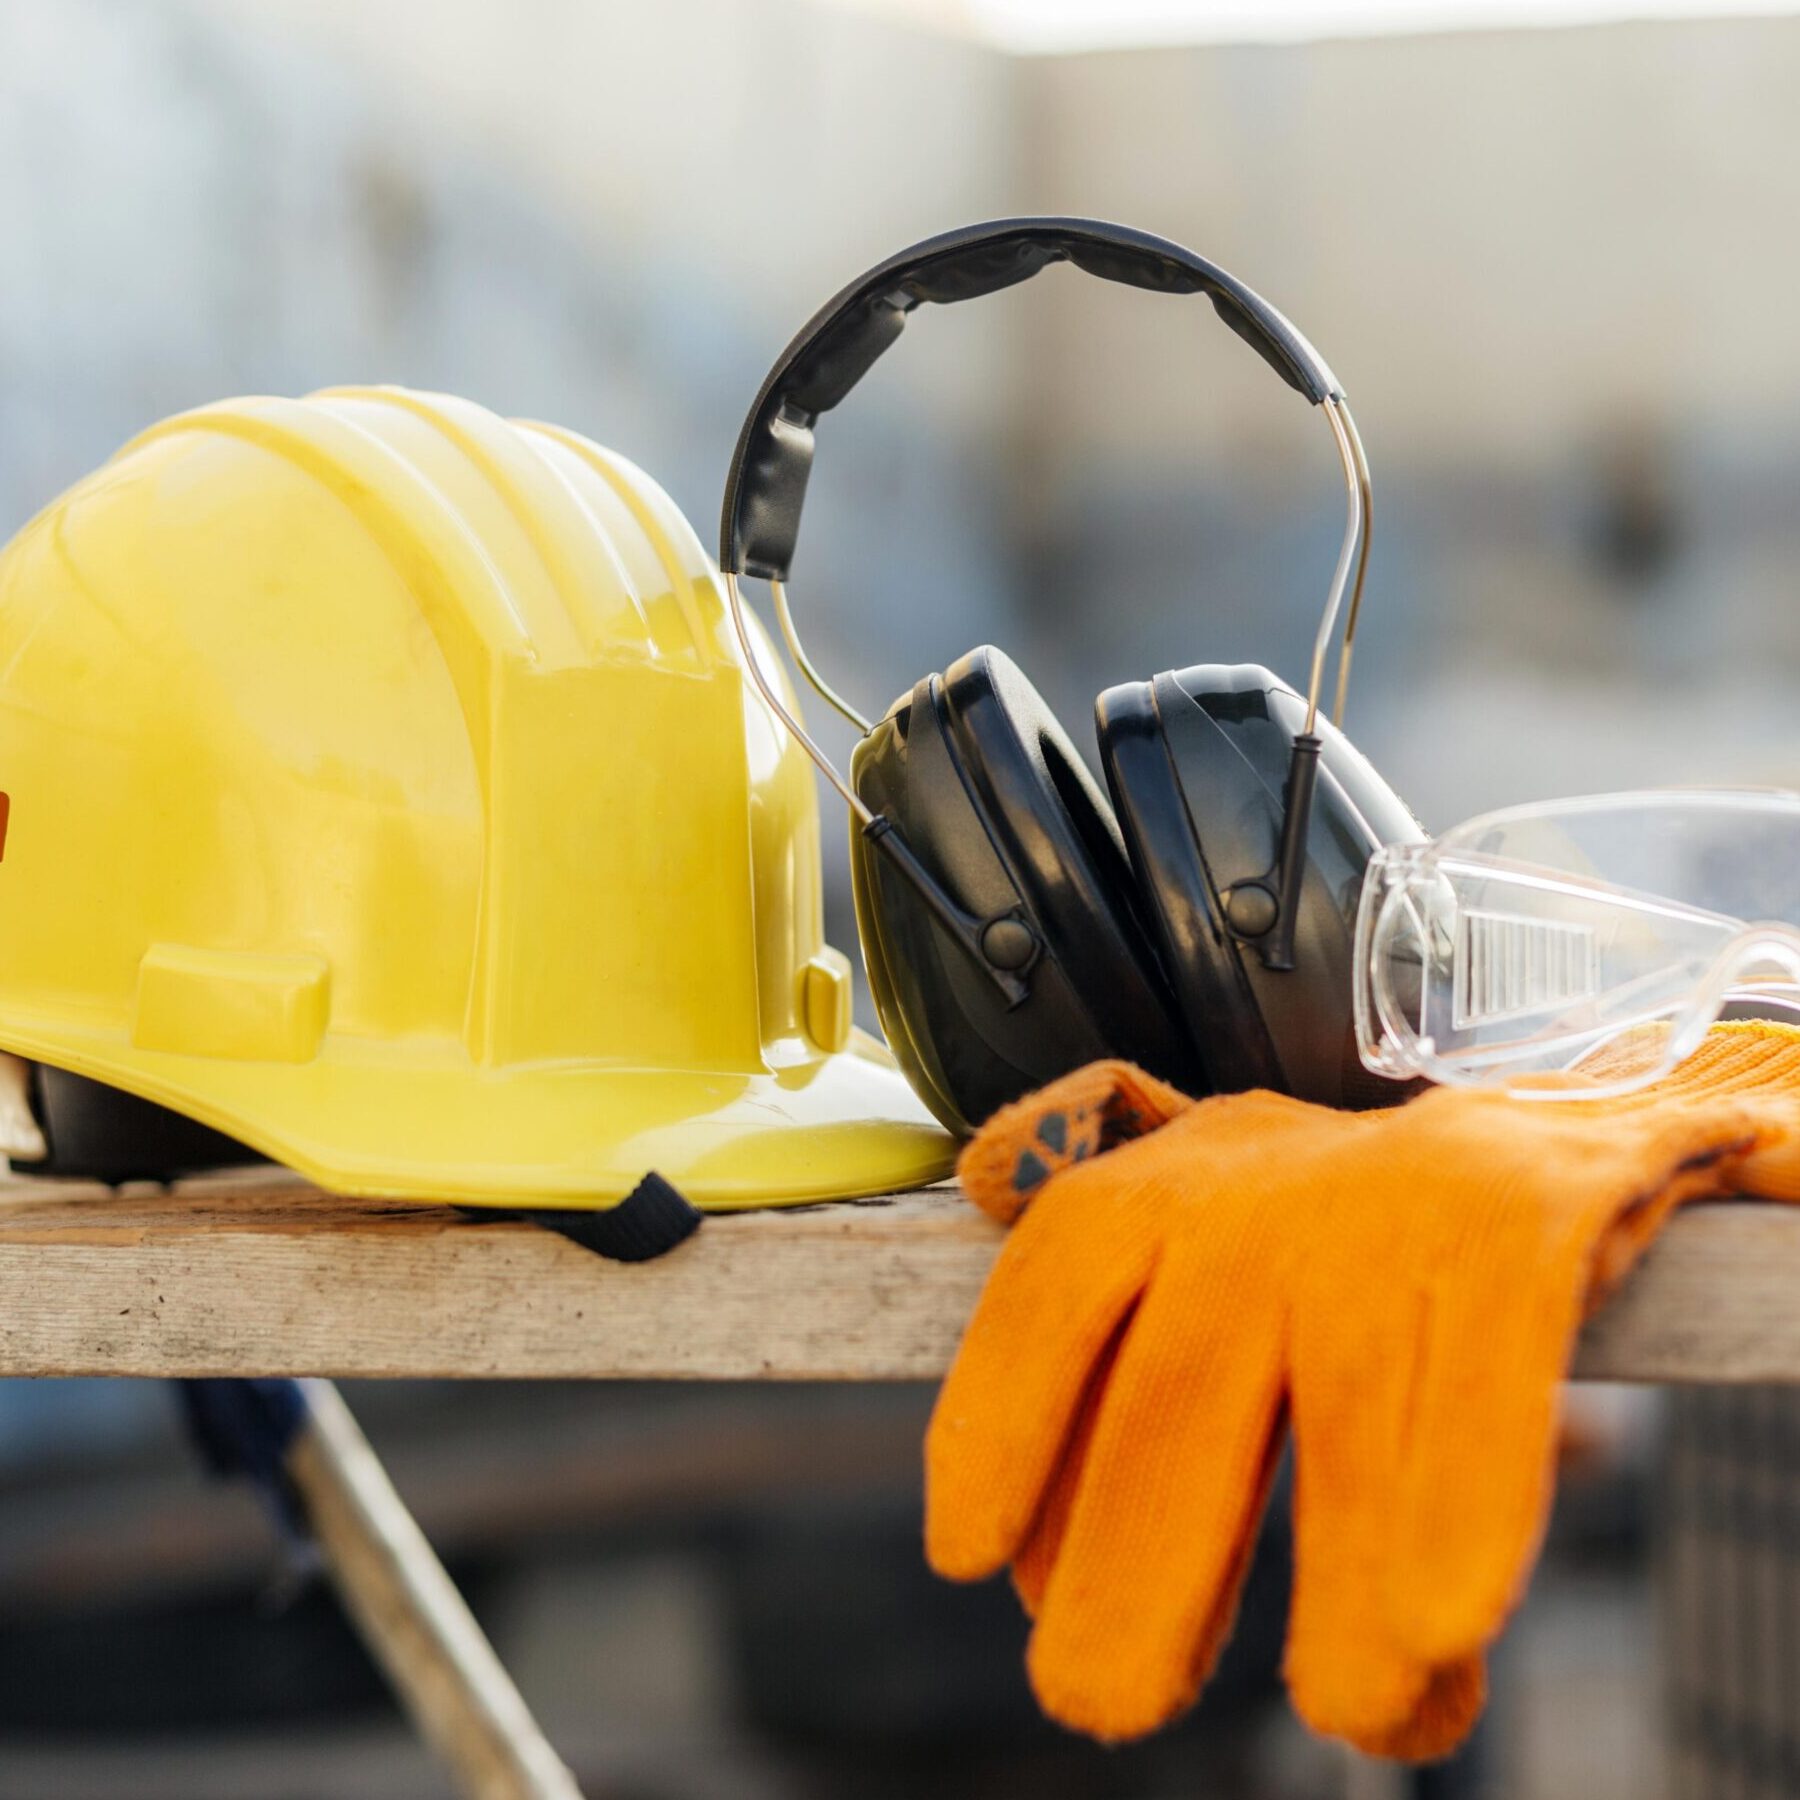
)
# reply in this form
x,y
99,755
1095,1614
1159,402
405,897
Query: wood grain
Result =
x,y
253,1275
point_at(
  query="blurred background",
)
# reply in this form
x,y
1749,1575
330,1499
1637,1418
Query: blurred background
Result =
x,y
1551,251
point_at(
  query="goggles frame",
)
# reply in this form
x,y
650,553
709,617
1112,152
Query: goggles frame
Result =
x,y
1449,978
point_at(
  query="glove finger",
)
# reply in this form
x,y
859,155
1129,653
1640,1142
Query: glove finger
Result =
x,y
1769,1166
1032,1566
1477,1460
1069,1272
1187,1434
1353,1376
1352,1372
1445,1713
1078,1116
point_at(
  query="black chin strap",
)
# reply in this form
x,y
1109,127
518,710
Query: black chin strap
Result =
x,y
649,1222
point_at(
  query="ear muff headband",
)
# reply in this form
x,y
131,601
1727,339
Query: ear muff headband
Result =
x,y
766,488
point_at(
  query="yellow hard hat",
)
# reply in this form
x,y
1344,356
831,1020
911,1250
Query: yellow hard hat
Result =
x,y
385,789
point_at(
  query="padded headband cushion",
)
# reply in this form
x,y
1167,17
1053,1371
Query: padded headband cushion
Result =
x,y
1061,845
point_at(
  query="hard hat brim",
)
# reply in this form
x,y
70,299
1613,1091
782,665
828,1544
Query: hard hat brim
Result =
x,y
385,1121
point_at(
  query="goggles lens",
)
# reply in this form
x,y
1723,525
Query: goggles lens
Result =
x,y
1601,936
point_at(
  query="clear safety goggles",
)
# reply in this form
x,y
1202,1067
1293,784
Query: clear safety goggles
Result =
x,y
1601,936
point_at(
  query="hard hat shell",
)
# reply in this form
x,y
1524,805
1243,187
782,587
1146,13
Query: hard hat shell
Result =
x,y
385,789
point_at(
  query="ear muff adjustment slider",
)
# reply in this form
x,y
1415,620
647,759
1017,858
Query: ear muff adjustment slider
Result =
x,y
1005,947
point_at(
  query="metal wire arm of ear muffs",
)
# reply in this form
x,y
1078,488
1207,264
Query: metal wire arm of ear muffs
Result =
x,y
1277,947
1362,565
767,483
970,931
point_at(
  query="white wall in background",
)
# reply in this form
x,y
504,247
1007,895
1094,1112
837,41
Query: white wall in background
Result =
x,y
1554,268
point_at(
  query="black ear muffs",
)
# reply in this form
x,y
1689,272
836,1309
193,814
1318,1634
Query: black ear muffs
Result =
x,y
1197,762
1147,770
1012,925
976,773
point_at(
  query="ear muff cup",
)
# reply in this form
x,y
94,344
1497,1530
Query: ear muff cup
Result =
x,y
1180,895
1197,761
1062,846
990,795
893,985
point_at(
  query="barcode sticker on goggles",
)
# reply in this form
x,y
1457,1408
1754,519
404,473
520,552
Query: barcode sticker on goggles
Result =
x,y
1508,965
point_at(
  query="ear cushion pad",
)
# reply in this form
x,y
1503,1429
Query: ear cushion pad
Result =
x,y
1163,823
1061,846
976,775
894,986
1198,763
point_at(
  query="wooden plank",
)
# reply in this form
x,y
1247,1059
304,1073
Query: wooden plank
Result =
x,y
238,1278
242,1276
1716,1300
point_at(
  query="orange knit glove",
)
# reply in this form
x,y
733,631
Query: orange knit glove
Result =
x,y
1407,1286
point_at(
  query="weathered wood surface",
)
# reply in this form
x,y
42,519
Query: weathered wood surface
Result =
x,y
243,1276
